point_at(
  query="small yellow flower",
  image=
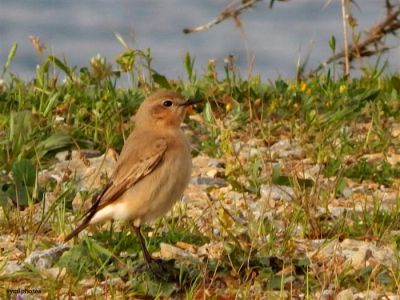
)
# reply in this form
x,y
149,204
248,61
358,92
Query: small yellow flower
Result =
x,y
273,105
342,88
303,86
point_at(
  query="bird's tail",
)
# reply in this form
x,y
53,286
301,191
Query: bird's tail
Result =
x,y
78,229
88,215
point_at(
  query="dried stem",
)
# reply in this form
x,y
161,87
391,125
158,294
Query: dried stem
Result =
x,y
372,42
225,14
345,38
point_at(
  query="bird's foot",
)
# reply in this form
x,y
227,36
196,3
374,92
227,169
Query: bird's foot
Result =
x,y
163,270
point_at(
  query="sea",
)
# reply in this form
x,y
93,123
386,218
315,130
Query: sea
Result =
x,y
269,42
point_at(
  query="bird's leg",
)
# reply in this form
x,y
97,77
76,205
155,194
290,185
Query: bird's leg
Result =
x,y
155,265
146,253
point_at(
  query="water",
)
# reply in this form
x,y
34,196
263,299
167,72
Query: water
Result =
x,y
78,30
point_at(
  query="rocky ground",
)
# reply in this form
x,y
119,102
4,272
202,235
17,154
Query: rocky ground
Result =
x,y
291,224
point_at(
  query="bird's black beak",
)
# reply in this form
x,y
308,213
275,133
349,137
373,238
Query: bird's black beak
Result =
x,y
192,101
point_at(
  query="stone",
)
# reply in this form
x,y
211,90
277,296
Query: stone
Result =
x,y
46,258
94,291
208,181
168,251
10,267
62,156
258,151
395,130
115,282
286,149
327,295
347,192
87,170
216,163
355,251
345,295
277,192
56,272
237,147
211,250
212,173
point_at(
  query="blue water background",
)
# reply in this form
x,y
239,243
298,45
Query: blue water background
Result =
x,y
78,30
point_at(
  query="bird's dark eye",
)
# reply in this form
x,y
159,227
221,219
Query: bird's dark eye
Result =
x,y
167,103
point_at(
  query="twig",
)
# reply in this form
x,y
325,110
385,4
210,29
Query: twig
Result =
x,y
225,14
373,38
228,12
345,39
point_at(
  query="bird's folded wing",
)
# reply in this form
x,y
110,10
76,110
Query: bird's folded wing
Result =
x,y
132,168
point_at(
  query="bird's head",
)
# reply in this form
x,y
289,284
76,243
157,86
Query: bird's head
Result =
x,y
163,108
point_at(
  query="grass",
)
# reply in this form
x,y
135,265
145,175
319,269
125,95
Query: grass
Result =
x,y
337,122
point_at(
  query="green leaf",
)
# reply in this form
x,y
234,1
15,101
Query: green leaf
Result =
x,y
208,114
281,86
154,289
363,98
50,104
5,194
161,80
61,65
332,43
341,185
395,81
53,142
24,176
24,172
189,66
10,57
21,128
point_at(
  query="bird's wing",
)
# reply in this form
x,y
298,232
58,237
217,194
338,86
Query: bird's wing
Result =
x,y
134,164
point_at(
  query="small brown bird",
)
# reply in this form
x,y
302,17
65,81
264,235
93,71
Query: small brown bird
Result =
x,y
152,171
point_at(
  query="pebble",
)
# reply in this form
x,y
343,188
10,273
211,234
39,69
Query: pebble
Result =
x,y
94,291
62,156
11,266
216,163
56,272
46,258
354,253
345,295
395,130
258,151
84,167
369,295
277,192
208,181
327,295
237,147
168,251
347,192
286,149
211,250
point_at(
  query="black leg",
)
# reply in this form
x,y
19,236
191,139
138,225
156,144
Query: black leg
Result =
x,y
146,253
155,265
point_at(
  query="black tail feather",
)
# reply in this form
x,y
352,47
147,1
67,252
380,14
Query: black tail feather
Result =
x,y
88,215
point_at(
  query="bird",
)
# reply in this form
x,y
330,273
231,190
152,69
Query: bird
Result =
x,y
152,171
